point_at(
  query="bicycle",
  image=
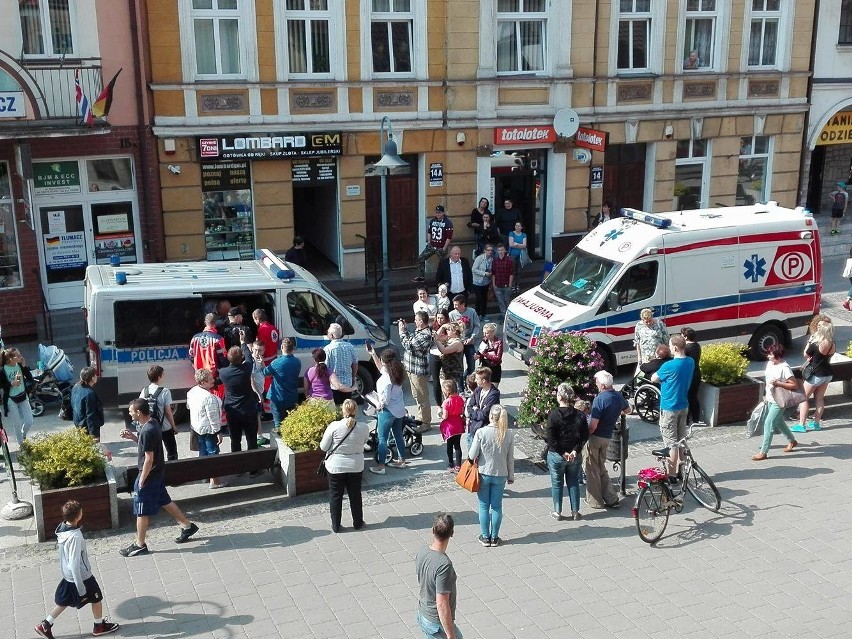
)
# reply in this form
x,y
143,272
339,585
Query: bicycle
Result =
x,y
657,496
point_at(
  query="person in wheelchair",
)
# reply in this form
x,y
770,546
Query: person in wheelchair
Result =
x,y
661,355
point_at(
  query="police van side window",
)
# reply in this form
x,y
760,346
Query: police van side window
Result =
x,y
638,284
311,314
156,322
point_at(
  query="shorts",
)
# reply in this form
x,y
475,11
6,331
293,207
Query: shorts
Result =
x,y
819,380
148,500
67,595
836,213
673,425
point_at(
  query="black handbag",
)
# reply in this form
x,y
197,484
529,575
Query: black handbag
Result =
x,y
808,370
322,471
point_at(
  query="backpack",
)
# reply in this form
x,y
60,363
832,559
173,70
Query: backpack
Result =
x,y
153,404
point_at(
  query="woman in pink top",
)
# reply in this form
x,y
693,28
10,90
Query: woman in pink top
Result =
x,y
318,377
452,423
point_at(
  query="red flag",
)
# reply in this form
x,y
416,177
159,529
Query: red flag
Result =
x,y
100,109
82,100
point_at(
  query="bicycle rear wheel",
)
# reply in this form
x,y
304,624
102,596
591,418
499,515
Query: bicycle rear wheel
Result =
x,y
650,514
700,486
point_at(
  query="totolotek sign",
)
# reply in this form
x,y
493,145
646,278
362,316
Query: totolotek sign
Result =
x,y
590,139
274,146
505,135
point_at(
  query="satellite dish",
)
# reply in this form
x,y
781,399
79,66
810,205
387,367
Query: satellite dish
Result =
x,y
566,122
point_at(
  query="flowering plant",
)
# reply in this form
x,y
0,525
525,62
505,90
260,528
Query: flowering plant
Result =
x,y
569,357
67,458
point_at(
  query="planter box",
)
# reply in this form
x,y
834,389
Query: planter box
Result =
x,y
728,404
841,368
299,470
99,501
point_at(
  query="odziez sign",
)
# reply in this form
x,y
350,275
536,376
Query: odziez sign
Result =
x,y
273,146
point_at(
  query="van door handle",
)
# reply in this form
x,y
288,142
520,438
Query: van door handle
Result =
x,y
674,307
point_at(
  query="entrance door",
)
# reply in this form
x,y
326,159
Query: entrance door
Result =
x,y
403,217
66,254
624,176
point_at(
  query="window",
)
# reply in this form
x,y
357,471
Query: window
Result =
x,y
216,26
763,39
310,313
391,35
698,39
308,36
521,35
10,264
46,27
690,163
845,36
580,277
636,285
753,173
634,35
109,174
152,322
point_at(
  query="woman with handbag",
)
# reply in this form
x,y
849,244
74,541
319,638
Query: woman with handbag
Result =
x,y
567,431
817,374
14,377
492,450
778,376
343,442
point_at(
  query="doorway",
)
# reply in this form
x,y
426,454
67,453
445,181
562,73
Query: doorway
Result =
x,y
521,177
624,176
315,219
403,215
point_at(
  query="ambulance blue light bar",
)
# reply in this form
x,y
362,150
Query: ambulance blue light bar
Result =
x,y
647,218
276,266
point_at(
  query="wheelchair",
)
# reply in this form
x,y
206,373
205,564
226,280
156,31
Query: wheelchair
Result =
x,y
646,397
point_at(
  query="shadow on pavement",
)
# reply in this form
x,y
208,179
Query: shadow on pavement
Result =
x,y
720,525
769,472
283,536
159,620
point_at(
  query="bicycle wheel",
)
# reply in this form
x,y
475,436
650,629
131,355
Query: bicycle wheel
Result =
x,y
650,514
647,400
700,486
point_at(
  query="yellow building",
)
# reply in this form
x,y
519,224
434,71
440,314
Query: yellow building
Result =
x,y
267,115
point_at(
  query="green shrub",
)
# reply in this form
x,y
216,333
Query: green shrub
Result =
x,y
723,364
303,428
849,350
69,458
559,357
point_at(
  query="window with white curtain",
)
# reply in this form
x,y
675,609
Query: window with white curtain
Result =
x,y
46,27
216,27
392,35
699,35
753,172
763,35
521,33
634,35
308,37
690,174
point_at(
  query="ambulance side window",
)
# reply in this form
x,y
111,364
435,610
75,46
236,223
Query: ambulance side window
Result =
x,y
637,284
156,322
310,313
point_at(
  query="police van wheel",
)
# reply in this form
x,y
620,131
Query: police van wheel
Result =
x,y
763,338
364,381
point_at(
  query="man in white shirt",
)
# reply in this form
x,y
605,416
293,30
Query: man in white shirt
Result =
x,y
456,273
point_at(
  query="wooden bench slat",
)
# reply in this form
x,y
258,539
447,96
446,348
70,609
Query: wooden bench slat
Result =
x,y
182,471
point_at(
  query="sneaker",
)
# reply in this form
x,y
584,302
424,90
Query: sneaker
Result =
x,y
495,541
376,470
105,627
262,441
418,279
485,541
44,629
813,426
798,428
133,549
186,533
576,516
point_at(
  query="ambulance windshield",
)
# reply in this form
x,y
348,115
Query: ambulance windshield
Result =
x,y
580,277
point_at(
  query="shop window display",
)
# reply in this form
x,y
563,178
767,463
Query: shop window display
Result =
x,y
10,265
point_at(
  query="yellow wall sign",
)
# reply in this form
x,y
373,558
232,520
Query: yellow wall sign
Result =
x,y
838,129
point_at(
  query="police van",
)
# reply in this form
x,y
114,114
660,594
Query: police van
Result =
x,y
143,314
749,274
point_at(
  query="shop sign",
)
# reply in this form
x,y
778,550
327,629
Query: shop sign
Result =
x,y
596,177
314,172
838,129
56,177
436,174
270,147
12,104
225,176
514,135
64,251
590,139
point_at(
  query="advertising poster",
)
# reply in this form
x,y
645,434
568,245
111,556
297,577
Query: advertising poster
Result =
x,y
64,251
121,244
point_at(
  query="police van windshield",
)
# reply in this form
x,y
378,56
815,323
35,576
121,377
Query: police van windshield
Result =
x,y
581,277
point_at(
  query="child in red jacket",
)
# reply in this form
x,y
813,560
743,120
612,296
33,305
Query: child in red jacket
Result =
x,y
452,423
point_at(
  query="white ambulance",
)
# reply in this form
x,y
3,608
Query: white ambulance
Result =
x,y
143,314
749,274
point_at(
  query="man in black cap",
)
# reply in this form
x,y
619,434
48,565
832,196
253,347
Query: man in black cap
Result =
x,y
235,326
439,232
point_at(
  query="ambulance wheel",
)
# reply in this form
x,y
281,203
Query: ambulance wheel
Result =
x,y
763,338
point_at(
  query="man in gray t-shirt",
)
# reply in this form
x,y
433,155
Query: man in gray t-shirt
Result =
x,y
437,578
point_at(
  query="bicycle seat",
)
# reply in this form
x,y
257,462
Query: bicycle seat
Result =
x,y
661,452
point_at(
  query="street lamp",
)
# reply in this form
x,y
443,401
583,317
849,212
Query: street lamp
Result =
x,y
390,159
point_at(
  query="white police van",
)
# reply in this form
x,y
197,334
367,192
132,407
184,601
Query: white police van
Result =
x,y
143,314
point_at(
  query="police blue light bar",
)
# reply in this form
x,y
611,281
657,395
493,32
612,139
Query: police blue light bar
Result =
x,y
647,218
276,266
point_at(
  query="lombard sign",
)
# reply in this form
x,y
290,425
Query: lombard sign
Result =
x,y
514,135
270,147
590,139
12,104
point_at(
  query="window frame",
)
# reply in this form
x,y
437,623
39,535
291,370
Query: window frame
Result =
x,y
697,160
631,17
248,44
518,17
767,170
711,62
845,17
418,48
47,31
332,16
10,202
764,16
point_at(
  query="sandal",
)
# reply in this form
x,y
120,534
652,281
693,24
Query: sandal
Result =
x,y
759,457
789,447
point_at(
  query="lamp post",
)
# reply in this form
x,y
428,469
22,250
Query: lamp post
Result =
x,y
390,159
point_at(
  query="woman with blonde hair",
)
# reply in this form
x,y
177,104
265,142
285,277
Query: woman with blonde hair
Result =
x,y
818,352
449,342
648,334
493,450
343,442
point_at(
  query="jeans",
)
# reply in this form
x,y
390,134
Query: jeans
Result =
x,y
208,445
432,630
21,418
564,473
774,419
470,362
504,297
388,423
279,412
490,495
351,482
435,372
239,423
481,299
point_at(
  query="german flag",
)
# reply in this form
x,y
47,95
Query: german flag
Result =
x,y
100,109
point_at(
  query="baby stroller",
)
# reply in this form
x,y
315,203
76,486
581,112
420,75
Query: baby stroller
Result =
x,y
52,381
645,395
413,438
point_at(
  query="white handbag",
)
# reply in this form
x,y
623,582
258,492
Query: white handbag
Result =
x,y
847,270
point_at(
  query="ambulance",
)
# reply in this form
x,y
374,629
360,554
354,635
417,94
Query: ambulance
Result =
x,y
143,314
748,274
